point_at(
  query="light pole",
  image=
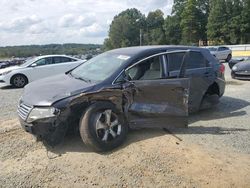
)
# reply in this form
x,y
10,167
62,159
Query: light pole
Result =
x,y
138,20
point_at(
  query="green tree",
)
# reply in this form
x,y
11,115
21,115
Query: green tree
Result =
x,y
217,27
125,29
234,9
172,26
178,7
155,32
172,30
245,23
190,23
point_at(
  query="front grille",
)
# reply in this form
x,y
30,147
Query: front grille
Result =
x,y
245,73
23,110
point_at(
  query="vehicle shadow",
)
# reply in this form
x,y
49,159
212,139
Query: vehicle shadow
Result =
x,y
229,107
74,143
8,87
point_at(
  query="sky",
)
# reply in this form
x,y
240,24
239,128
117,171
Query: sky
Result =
x,y
25,22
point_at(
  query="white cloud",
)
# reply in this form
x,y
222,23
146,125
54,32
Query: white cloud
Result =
x,y
94,30
19,24
71,20
62,21
39,29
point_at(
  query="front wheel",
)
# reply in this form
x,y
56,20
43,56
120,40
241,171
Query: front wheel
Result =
x,y
102,127
19,81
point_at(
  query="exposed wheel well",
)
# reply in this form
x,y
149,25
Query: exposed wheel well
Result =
x,y
11,80
213,89
79,110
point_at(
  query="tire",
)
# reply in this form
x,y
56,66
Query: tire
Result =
x,y
19,81
231,65
97,130
209,101
229,57
232,74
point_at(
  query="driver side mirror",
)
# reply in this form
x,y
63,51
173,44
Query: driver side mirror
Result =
x,y
127,77
123,78
33,65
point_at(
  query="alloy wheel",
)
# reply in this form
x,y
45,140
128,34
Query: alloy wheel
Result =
x,y
107,126
19,81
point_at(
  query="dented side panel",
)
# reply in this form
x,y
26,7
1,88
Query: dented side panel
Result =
x,y
156,103
159,103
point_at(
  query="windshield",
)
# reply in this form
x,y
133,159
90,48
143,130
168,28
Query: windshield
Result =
x,y
212,49
28,62
100,67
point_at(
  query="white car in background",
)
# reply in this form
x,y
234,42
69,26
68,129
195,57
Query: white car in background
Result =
x,y
37,68
221,52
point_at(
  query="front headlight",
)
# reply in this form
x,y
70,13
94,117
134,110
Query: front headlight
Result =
x,y
234,68
6,72
41,113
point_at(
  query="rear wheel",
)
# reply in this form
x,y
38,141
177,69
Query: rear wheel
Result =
x,y
102,128
19,81
211,97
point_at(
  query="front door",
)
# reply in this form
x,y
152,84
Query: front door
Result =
x,y
42,68
155,100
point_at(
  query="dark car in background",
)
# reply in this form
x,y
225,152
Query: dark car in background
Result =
x,y
236,60
4,64
136,87
13,62
241,70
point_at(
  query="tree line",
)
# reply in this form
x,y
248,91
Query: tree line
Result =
x,y
35,50
210,21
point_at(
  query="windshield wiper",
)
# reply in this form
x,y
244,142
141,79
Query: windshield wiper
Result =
x,y
79,78
85,80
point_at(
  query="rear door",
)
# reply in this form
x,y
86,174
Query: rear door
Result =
x,y
199,71
156,101
222,53
64,64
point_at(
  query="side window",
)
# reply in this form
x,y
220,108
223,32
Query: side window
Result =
x,y
62,60
196,60
222,48
44,61
150,69
175,61
72,60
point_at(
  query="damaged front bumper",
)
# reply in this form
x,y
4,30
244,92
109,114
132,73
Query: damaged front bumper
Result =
x,y
49,130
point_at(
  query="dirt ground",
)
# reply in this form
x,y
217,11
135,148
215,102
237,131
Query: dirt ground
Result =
x,y
213,152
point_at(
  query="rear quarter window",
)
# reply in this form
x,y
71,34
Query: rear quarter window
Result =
x,y
193,61
62,60
174,61
196,60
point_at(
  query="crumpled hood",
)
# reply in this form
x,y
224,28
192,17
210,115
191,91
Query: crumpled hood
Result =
x,y
9,69
243,66
46,91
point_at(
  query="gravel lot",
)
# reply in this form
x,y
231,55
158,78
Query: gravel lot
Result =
x,y
213,152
